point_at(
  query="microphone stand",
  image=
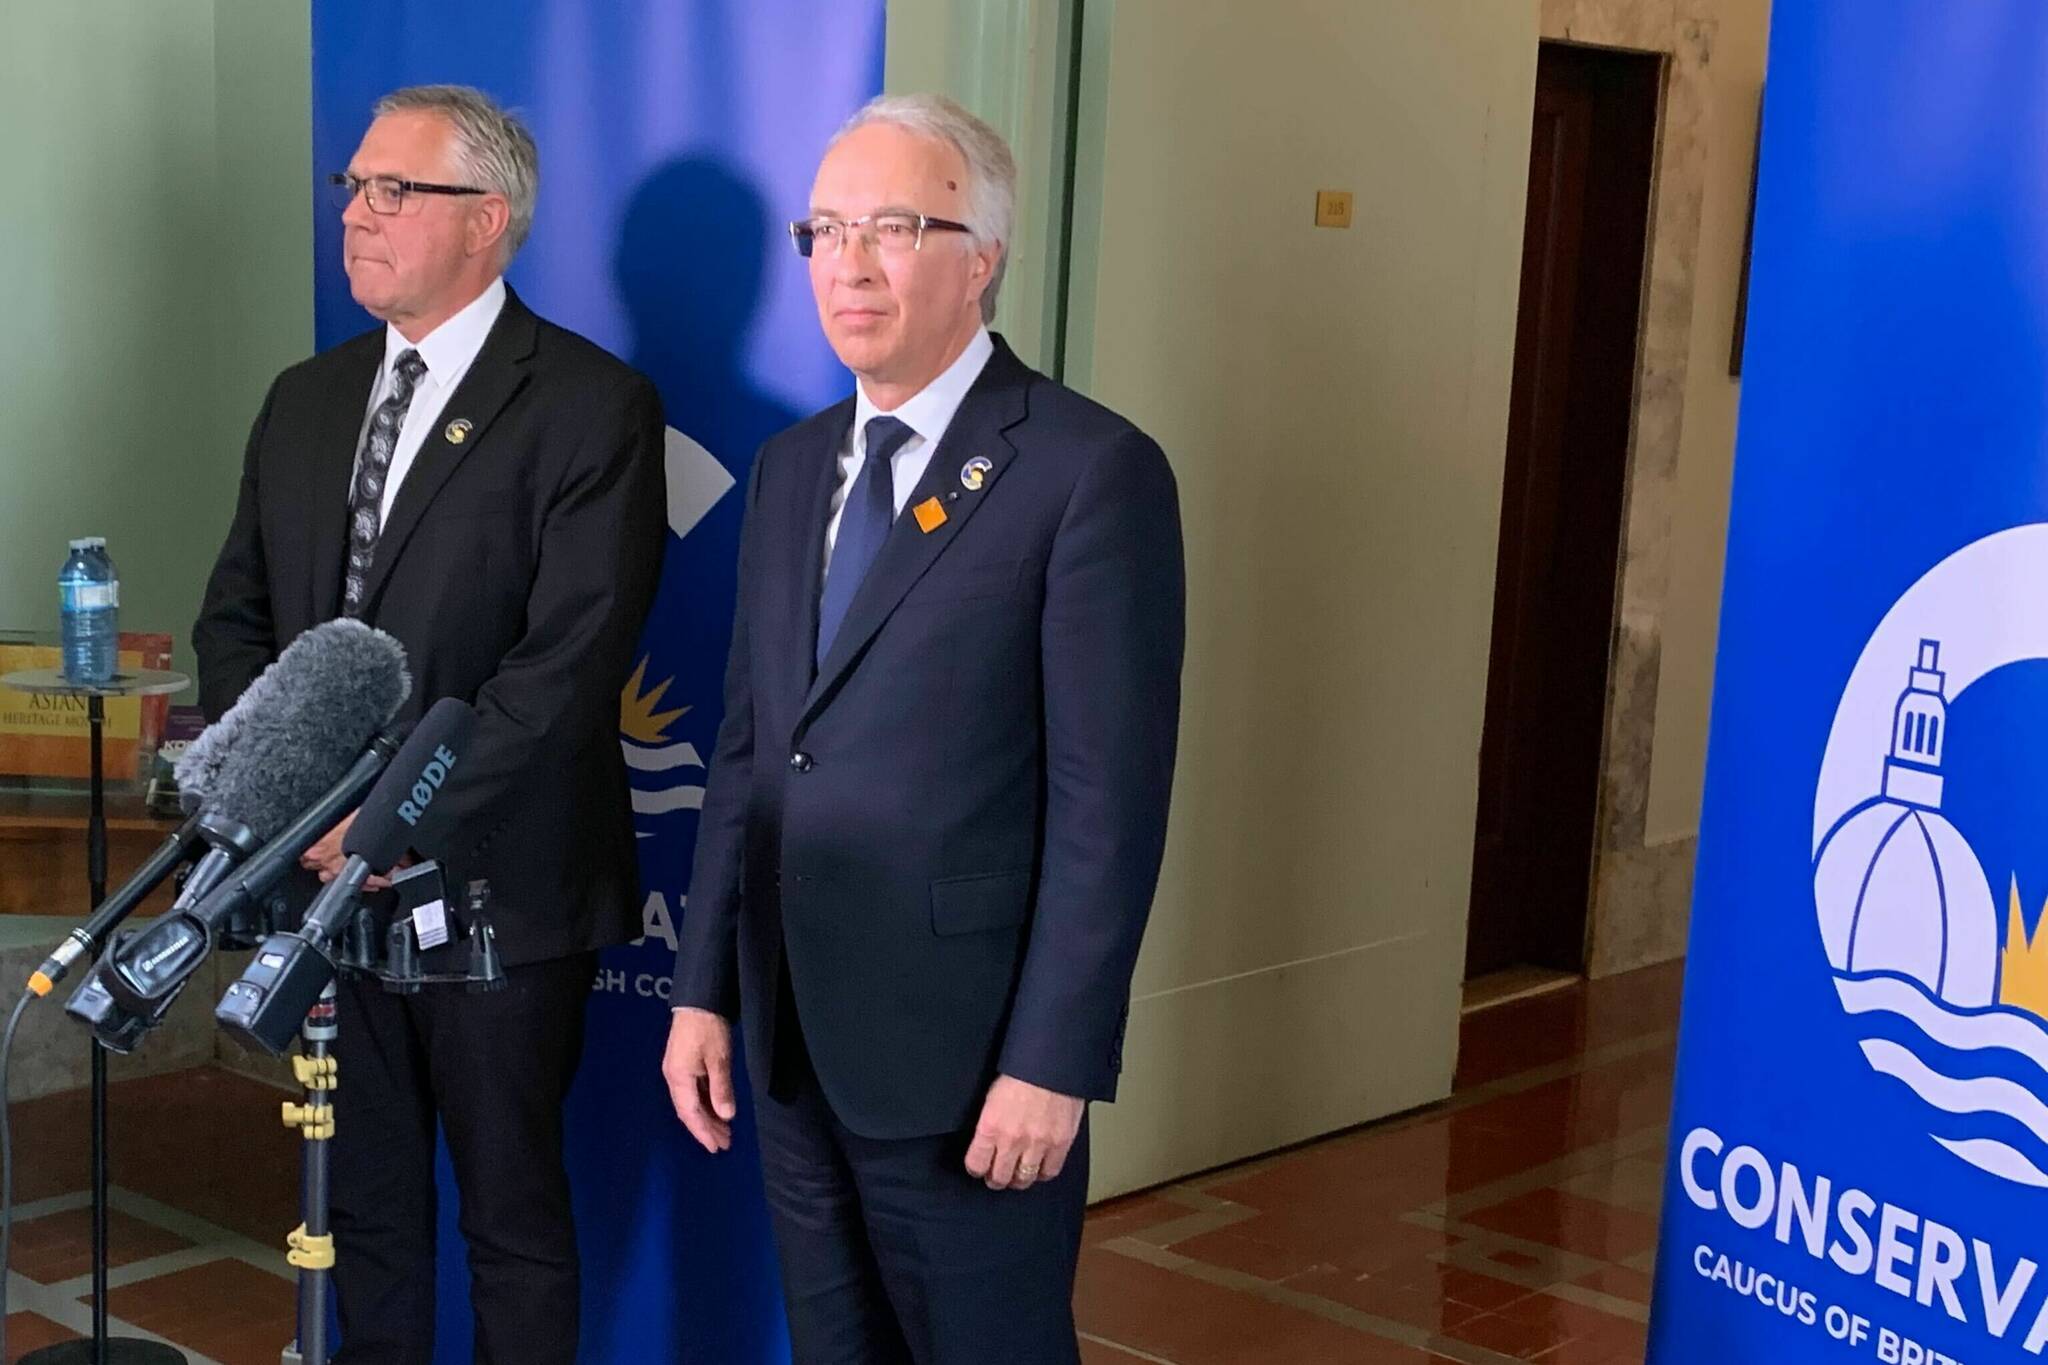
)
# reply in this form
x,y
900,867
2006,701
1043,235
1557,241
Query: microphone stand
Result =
x,y
101,1349
311,1244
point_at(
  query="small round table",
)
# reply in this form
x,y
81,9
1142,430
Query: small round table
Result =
x,y
142,682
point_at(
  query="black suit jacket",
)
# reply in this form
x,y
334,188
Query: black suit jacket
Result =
x,y
516,567
954,826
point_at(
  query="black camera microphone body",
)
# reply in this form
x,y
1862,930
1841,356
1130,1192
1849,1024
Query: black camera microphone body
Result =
x,y
85,940
130,990
265,1008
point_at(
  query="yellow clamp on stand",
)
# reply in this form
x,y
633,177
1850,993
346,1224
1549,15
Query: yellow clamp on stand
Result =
x,y
316,1073
312,1120
308,1252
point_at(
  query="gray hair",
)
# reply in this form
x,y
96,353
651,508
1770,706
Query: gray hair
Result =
x,y
991,170
493,150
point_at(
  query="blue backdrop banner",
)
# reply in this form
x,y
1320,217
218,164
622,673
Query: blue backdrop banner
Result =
x,y
675,139
1859,1155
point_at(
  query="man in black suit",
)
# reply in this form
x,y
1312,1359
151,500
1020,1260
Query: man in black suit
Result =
x,y
486,487
935,815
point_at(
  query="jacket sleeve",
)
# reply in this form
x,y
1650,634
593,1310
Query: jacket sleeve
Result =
x,y
601,544
707,942
1112,641
235,638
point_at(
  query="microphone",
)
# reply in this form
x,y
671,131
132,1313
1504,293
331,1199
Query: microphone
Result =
x,y
180,846
298,725
267,1005
130,989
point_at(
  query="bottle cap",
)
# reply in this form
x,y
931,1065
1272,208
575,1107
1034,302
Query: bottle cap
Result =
x,y
89,543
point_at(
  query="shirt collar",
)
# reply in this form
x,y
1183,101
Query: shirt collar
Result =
x,y
449,348
930,411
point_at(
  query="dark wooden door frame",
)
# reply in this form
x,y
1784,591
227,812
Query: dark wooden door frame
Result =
x,y
1570,431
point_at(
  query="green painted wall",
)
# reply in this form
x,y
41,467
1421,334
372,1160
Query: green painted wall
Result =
x,y
153,243
1005,60
1334,403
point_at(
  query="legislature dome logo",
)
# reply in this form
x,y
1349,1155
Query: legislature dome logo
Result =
x,y
1945,980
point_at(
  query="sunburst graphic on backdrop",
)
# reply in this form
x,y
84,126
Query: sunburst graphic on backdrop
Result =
x,y
668,777
2023,973
638,720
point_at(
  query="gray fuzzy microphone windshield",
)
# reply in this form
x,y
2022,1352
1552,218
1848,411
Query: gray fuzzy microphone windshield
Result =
x,y
297,728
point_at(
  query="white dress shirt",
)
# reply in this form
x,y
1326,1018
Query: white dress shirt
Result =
x,y
448,350
928,414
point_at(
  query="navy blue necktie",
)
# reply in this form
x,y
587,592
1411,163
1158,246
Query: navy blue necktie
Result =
x,y
863,525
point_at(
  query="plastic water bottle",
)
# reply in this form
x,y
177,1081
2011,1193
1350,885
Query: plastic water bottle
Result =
x,y
89,596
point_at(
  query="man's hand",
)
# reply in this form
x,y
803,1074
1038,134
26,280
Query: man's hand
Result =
x,y
698,1069
327,859
1024,1134
325,856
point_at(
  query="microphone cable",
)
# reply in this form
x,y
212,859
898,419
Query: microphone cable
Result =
x,y
7,1164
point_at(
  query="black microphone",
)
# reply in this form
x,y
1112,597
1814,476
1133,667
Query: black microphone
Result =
x,y
298,725
179,847
130,989
266,1006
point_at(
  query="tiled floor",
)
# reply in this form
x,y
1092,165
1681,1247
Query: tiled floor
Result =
x,y
1515,1222
205,1186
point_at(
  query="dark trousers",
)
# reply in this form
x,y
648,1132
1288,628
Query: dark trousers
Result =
x,y
494,1070
892,1254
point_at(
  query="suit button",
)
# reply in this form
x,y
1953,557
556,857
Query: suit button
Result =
x,y
800,762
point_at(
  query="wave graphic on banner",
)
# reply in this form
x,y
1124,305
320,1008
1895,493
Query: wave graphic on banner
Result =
x,y
2006,1051
665,777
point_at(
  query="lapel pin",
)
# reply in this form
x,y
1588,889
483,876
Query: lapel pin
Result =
x,y
975,472
931,515
458,431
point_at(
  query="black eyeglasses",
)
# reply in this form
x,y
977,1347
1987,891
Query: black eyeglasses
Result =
x,y
386,193
892,233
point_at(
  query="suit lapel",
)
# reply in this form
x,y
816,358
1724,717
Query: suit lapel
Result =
x,y
499,372
814,489
344,404
994,405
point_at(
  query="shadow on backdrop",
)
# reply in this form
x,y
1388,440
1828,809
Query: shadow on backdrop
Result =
x,y
690,268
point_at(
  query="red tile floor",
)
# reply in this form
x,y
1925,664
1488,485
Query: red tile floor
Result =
x,y
1514,1222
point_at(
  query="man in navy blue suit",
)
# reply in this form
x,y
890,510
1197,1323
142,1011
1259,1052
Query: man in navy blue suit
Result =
x,y
934,819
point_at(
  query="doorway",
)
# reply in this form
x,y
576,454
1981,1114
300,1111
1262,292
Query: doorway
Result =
x,y
1591,160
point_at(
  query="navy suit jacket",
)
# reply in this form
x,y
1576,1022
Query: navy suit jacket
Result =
x,y
953,827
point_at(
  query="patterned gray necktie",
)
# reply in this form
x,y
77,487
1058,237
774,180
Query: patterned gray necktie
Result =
x,y
373,466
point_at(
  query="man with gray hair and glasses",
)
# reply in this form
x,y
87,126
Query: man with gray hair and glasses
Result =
x,y
933,823
486,487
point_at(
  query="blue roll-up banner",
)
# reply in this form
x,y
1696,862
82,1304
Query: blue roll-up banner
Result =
x,y
675,140
1859,1155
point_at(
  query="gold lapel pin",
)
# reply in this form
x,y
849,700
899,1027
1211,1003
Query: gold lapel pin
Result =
x,y
931,515
975,473
457,431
